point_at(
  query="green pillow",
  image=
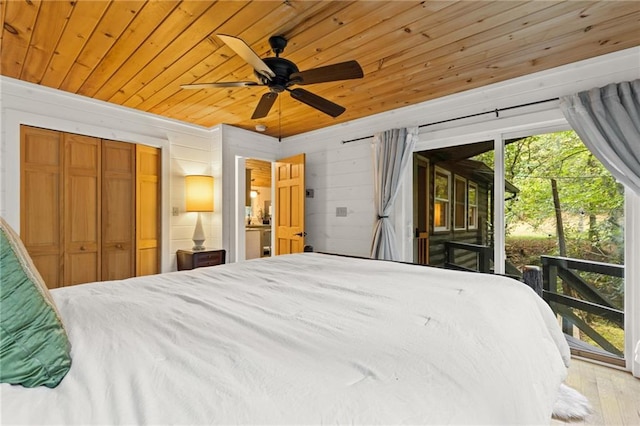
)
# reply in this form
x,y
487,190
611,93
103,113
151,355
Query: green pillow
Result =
x,y
34,348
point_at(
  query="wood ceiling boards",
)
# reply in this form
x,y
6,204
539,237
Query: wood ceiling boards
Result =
x,y
260,172
138,53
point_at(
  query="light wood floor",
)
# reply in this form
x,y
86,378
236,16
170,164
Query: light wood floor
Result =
x,y
614,394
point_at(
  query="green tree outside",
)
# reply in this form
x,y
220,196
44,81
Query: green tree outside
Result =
x,y
587,192
591,202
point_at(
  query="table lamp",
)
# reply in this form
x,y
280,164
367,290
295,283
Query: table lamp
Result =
x,y
199,195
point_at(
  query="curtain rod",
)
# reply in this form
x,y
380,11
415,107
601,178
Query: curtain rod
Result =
x,y
496,111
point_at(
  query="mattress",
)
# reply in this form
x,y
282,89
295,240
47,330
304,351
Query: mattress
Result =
x,y
302,339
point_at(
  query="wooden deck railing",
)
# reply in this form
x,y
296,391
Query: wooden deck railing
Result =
x,y
555,270
483,260
591,299
484,254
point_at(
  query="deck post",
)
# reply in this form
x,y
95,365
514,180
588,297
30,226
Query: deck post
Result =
x,y
485,260
449,256
532,276
550,279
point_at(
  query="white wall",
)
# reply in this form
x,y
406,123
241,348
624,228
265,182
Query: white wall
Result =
x,y
185,149
340,176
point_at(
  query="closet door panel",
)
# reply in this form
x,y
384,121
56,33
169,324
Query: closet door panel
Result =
x,y
81,267
147,210
41,201
82,213
118,210
148,261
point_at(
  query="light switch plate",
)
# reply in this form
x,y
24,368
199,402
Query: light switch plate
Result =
x,y
175,211
341,212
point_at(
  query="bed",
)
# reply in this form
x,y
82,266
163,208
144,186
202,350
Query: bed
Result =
x,y
302,339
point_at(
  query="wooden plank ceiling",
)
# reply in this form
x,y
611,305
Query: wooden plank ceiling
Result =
x,y
138,53
260,172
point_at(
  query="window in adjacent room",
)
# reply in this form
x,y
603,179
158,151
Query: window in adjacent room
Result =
x,y
460,207
472,201
441,206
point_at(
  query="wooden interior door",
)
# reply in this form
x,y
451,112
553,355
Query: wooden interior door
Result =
x,y
118,210
421,209
289,215
41,189
147,210
82,213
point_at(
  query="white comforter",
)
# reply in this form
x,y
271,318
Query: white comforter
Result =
x,y
302,339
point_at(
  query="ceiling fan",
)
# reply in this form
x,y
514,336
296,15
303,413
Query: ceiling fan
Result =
x,y
279,74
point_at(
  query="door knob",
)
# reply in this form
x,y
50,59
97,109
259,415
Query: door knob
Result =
x,y
301,234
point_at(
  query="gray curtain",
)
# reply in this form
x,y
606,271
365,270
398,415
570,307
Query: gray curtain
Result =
x,y
392,151
607,119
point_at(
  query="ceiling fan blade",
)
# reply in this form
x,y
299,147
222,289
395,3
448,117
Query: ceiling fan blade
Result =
x,y
220,84
342,71
245,52
317,102
264,106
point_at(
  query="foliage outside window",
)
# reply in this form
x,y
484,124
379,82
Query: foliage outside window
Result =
x,y
569,205
442,203
472,201
460,206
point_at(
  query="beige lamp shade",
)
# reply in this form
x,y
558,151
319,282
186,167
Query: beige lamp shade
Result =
x,y
199,193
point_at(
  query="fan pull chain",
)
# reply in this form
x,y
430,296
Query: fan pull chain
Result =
x,y
279,119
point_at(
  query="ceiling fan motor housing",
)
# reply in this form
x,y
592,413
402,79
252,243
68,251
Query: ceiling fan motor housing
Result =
x,y
283,69
277,43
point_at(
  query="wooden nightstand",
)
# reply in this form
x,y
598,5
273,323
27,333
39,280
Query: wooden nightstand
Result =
x,y
189,259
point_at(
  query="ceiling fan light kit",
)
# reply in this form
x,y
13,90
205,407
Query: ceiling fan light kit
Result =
x,y
279,74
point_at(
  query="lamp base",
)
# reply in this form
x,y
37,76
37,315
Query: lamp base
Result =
x,y
198,235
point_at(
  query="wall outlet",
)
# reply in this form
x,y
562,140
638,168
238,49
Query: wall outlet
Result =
x,y
341,212
175,211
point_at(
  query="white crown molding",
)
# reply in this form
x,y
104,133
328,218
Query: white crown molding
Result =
x,y
29,92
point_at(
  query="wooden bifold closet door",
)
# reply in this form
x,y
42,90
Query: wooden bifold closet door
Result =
x,y
79,211
147,202
41,199
118,210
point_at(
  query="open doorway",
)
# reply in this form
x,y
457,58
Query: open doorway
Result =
x,y
568,219
258,209
563,213
270,198
453,208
